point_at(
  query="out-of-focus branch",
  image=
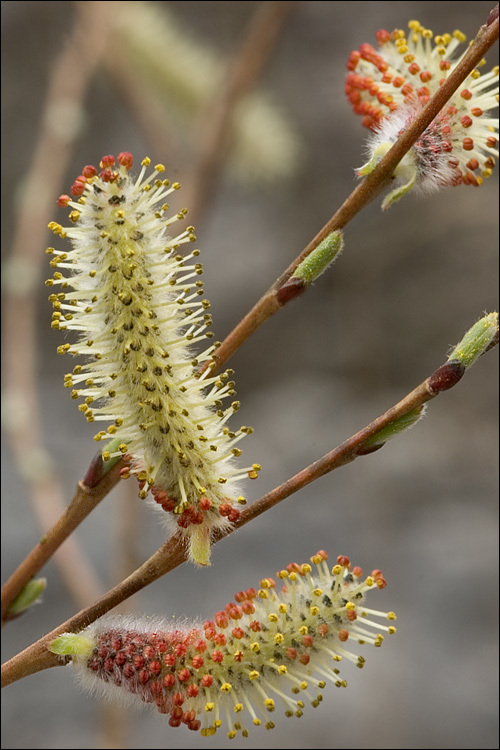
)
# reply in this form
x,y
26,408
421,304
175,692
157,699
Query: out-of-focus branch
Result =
x,y
59,130
215,133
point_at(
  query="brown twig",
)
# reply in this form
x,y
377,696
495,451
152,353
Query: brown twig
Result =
x,y
215,135
362,195
36,657
84,501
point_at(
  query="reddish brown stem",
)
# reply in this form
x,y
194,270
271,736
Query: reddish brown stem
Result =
x,y
84,501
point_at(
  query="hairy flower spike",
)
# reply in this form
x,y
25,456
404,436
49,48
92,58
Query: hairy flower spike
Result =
x,y
138,308
267,647
389,87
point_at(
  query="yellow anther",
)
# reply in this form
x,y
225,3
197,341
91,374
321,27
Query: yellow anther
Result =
x,y
279,638
254,675
226,687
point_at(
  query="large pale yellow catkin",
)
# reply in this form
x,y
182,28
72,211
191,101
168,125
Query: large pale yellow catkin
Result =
x,y
138,307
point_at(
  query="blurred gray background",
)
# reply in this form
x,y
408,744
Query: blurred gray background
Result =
x,y
409,283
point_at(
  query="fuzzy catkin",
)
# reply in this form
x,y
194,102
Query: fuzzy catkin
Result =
x,y
268,651
138,307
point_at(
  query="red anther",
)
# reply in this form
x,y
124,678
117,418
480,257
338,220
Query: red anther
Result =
x,y
63,200
195,725
294,568
125,159
425,76
472,164
240,596
476,111
200,646
197,518
169,680
444,65
234,515
376,573
491,141
89,171
353,60
109,665
106,175
155,667
220,639
103,652
143,676
323,629
138,661
248,608
174,722
192,691
210,634
169,660
343,635
180,649
304,658
321,553
238,633
204,503
207,680
188,717
225,509
291,653
308,641
466,121
178,699
381,582
177,712
357,571
235,612
77,188
107,161
217,657
208,624
383,36
343,561
183,675
255,626
197,661
148,652
466,94
351,615
128,671
221,619
120,658
489,162
407,89
251,593
414,68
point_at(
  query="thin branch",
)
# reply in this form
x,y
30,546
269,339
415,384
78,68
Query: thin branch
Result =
x,y
36,657
66,91
84,501
362,195
215,135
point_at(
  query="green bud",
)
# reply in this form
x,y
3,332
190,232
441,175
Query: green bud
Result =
x,y
28,596
476,340
71,644
320,258
395,428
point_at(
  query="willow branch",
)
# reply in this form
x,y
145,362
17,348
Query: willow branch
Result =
x,y
362,195
36,657
83,502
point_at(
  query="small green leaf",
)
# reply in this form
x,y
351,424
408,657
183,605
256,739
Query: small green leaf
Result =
x,y
476,340
29,595
320,258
